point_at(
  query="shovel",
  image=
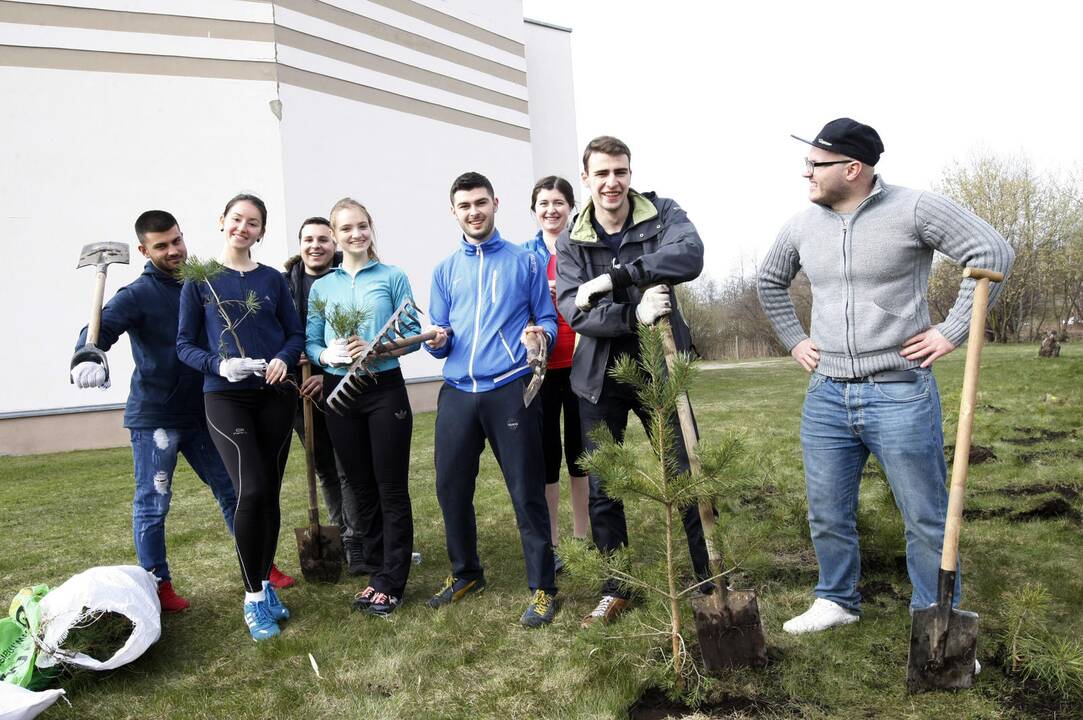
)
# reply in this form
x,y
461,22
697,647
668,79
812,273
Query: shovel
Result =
x,y
943,639
727,621
101,255
318,546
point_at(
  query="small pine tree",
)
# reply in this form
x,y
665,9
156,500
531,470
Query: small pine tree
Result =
x,y
634,472
195,270
345,320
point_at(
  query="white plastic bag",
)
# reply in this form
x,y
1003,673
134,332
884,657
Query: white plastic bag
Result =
x,y
18,703
126,589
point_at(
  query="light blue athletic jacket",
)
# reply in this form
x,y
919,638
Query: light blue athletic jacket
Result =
x,y
376,287
486,294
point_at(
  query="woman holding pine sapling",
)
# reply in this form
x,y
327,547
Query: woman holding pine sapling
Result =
x,y
238,326
372,436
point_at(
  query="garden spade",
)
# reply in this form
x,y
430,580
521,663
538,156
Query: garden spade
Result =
x,y
943,639
101,255
318,546
727,621
537,359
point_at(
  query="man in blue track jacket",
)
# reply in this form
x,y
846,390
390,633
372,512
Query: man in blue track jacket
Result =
x,y
489,303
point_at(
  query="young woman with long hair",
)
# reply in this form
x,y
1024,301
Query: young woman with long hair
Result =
x,y
372,437
239,327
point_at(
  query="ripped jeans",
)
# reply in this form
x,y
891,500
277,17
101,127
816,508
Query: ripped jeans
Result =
x,y
154,453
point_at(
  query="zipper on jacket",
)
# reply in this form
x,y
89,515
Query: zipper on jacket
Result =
x,y
849,288
477,317
506,346
492,286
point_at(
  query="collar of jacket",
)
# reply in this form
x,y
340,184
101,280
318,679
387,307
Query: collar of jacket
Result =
x,y
879,189
156,273
642,210
537,244
339,270
493,244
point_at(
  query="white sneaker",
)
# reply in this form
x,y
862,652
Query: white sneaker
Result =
x,y
822,615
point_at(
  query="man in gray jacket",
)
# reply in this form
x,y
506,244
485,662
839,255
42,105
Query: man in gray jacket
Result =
x,y
867,249
613,272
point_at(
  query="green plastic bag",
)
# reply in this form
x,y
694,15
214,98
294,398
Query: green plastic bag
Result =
x,y
18,632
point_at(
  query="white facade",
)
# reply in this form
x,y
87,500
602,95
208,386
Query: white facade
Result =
x,y
113,107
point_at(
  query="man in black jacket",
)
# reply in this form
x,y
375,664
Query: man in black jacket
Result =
x,y
614,270
317,258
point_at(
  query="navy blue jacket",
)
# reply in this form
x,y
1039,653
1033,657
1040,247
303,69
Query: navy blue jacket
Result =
x,y
274,331
165,393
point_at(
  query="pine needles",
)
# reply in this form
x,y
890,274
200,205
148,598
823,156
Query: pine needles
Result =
x,y
345,320
197,271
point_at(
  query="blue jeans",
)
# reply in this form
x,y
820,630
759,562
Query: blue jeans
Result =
x,y
154,453
899,423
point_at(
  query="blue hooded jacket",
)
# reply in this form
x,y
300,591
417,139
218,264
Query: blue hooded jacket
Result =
x,y
165,393
486,294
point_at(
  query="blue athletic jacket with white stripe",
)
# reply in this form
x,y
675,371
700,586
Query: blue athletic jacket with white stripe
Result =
x,y
486,294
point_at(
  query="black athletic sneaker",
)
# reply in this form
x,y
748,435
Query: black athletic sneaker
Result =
x,y
383,604
454,590
363,599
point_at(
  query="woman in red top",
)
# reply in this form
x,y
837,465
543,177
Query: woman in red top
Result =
x,y
552,201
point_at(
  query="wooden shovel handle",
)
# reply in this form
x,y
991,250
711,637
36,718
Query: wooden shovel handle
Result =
x,y
960,465
94,327
688,430
310,454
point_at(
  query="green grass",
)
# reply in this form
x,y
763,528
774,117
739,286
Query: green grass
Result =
x,y
63,513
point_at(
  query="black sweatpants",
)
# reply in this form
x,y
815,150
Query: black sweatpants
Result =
x,y
607,522
463,422
251,429
372,440
557,397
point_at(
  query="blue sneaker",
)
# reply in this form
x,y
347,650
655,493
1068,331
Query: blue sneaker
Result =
x,y
540,611
261,626
278,611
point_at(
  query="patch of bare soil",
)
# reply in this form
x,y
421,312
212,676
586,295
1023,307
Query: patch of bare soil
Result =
x,y
1028,698
1065,491
1035,436
653,704
978,454
873,590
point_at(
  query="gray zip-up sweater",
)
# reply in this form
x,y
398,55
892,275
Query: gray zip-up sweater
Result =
x,y
870,276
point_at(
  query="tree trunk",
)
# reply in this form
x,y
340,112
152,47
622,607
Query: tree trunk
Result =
x,y
674,603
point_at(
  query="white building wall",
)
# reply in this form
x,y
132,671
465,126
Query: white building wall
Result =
x,y
553,139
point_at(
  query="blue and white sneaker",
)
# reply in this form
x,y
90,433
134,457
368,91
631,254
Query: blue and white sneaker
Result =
x,y
278,611
261,626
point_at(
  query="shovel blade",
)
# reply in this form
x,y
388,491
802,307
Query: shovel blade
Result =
x,y
319,548
103,253
942,649
729,629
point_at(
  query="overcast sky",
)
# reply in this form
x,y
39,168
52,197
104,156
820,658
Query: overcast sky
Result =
x,y
706,94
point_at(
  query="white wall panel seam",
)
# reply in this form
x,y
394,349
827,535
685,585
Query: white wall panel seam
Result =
x,y
139,43
245,10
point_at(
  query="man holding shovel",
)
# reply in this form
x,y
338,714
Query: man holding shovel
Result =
x,y
164,412
614,270
867,248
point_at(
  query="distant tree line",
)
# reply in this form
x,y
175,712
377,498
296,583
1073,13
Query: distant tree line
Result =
x,y
1039,214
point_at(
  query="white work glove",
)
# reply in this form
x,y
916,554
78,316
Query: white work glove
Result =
x,y
590,290
653,305
335,354
89,374
237,369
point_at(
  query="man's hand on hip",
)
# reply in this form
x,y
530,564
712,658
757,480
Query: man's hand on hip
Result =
x,y
806,354
589,291
929,345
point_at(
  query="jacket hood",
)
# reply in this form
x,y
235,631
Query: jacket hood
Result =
x,y
294,262
643,209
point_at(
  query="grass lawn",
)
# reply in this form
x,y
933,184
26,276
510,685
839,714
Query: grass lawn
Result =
x,y
65,512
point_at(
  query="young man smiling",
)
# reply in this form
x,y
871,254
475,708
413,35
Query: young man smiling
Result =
x,y
164,412
489,304
614,270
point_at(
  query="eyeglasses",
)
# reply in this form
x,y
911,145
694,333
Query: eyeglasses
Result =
x,y
810,166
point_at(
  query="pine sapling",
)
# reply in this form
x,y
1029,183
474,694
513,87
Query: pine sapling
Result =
x,y
197,271
345,320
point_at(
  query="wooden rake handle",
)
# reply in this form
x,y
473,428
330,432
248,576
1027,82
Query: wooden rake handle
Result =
x,y
310,453
960,465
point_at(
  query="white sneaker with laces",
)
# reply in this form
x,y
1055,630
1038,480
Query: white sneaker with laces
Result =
x,y
822,615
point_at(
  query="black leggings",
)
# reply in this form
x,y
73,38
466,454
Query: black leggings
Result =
x,y
252,430
557,395
372,441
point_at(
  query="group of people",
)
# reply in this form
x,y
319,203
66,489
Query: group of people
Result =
x,y
576,293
